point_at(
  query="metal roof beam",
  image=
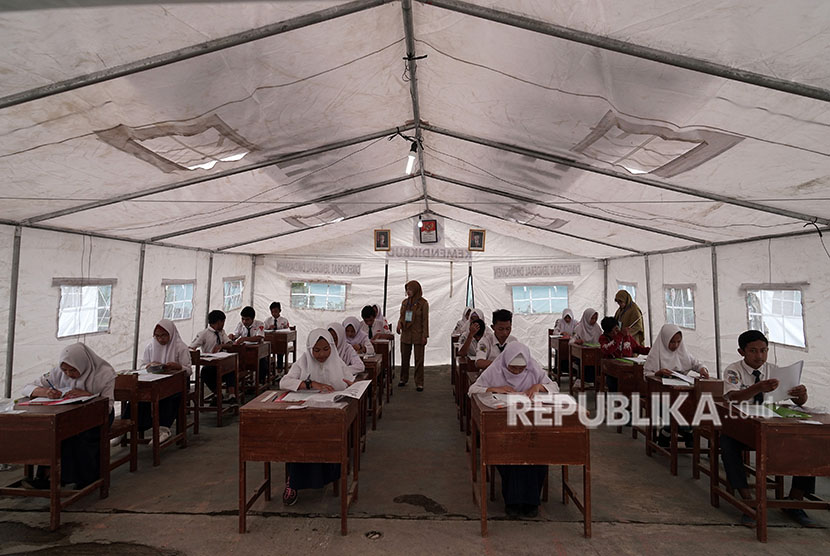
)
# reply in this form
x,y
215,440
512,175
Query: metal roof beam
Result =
x,y
412,66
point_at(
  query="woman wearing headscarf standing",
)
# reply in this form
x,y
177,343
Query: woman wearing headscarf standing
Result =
x,y
413,326
630,316
80,372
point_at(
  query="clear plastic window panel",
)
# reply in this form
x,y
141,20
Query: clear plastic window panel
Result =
x,y
178,301
680,307
534,300
778,314
84,310
318,295
233,294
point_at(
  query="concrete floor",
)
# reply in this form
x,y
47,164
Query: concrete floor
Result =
x,y
415,490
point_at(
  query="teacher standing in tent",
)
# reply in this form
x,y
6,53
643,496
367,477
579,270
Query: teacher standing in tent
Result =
x,y
630,316
413,326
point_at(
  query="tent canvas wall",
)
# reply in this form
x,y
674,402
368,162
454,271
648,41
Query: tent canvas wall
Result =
x,y
252,131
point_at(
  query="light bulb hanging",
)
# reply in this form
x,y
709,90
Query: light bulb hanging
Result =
x,y
410,161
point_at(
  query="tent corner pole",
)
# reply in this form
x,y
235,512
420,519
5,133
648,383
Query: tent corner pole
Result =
x,y
209,285
7,392
716,308
138,294
648,298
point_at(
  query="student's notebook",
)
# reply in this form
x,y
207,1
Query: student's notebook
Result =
x,y
61,401
788,378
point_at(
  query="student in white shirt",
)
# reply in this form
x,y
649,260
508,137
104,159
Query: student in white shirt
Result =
x,y
471,337
515,371
491,345
276,321
462,325
318,368
212,340
344,349
565,325
587,331
374,324
357,337
248,329
168,350
80,372
748,380
669,354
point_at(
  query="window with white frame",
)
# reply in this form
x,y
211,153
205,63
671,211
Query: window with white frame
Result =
x,y
233,290
630,288
318,295
533,300
680,306
84,309
178,300
778,314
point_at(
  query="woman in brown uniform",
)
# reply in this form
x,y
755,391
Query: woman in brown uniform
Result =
x,y
413,326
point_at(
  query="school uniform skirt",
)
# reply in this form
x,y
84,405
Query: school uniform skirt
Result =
x,y
522,484
311,475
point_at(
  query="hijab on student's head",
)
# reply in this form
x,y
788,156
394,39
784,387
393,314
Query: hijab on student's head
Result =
x,y
360,335
332,371
568,313
95,372
497,374
587,315
166,353
314,336
378,312
665,358
343,347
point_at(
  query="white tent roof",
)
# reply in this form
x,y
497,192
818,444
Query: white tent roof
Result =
x,y
105,106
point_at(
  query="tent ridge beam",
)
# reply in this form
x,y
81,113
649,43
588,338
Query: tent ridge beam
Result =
x,y
301,204
649,182
192,51
412,66
570,236
532,201
218,175
631,49
283,234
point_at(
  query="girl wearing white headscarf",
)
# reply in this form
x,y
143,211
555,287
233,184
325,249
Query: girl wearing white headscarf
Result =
x,y
80,372
357,336
669,354
588,330
168,350
514,370
563,326
345,350
464,324
318,368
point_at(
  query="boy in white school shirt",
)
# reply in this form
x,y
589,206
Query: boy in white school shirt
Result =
x,y
276,321
491,345
248,328
211,340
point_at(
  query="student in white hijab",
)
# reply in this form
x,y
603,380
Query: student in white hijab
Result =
x,y
318,368
344,348
588,330
514,370
357,336
80,372
566,324
669,354
168,350
464,324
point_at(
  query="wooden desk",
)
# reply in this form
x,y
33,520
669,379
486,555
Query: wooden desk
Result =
x,y
626,372
583,356
268,432
568,444
558,355
224,366
282,343
453,354
386,349
470,377
34,438
374,372
655,386
152,392
249,357
782,446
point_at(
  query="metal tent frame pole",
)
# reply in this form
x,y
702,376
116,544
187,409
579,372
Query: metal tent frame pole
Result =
x,y
209,286
138,295
716,308
648,300
15,276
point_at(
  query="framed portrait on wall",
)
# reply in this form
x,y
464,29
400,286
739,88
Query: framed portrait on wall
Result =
x,y
429,231
382,240
476,242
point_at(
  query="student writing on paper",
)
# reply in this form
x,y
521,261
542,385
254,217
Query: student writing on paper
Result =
x,y
212,340
615,343
565,325
80,372
357,337
748,380
345,350
374,323
669,353
318,368
587,331
167,350
630,315
249,329
491,345
515,371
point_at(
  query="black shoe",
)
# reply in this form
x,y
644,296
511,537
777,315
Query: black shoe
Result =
x,y
512,510
529,510
401,384
663,439
36,483
419,388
